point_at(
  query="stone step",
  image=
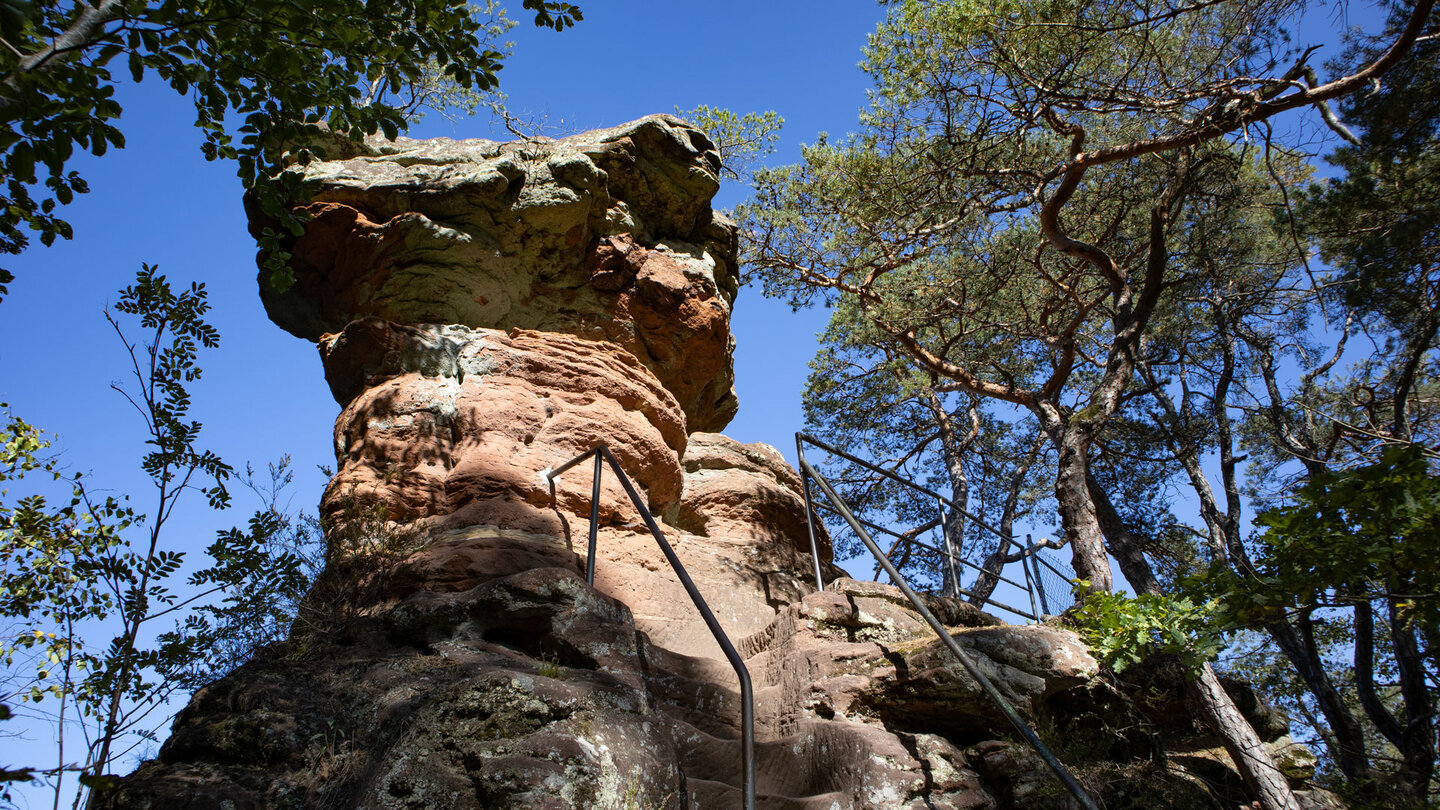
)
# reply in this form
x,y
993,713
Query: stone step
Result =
x,y
830,764
707,795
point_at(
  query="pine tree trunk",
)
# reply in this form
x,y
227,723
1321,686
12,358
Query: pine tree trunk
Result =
x,y
1078,519
1265,780
954,530
1254,763
953,447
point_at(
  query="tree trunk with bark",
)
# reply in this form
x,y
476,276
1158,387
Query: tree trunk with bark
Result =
x,y
1246,750
953,447
1348,737
1079,520
989,575
1242,743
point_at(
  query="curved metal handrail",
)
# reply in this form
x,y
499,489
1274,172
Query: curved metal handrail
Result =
x,y
602,454
808,472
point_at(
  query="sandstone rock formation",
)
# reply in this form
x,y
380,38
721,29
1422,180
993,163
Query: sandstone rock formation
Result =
x,y
485,312
453,425
606,235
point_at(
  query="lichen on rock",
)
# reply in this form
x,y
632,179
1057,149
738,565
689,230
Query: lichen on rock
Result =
x,y
606,235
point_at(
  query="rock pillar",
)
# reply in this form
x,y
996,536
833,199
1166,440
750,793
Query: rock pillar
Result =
x,y
485,312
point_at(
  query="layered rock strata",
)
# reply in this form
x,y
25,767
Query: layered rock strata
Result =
x,y
486,312
608,235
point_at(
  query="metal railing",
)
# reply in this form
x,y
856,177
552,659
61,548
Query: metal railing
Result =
x,y
1033,591
807,474
1064,578
1031,585
602,454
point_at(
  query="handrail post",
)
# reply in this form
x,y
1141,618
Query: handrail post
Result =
x,y
594,520
985,684
1029,583
747,692
950,551
943,548
1039,583
809,515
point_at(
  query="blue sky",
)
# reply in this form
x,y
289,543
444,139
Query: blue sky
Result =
x,y
263,394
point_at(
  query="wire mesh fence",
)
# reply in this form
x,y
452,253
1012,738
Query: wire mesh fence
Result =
x,y
1053,576
909,520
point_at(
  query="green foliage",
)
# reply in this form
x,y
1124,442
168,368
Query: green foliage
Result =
x,y
742,140
163,373
1081,210
1252,657
84,582
49,557
926,234
552,14
1346,561
863,397
1379,223
434,90
1352,563
1379,226
1123,631
268,79
550,666
1352,534
53,557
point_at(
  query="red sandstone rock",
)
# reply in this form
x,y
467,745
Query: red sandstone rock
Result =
x,y
746,583
747,490
452,654
454,426
606,235
477,686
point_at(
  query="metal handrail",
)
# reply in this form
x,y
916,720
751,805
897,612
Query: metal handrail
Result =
x,y
804,438
1034,563
807,472
1034,617
747,697
1056,571
915,541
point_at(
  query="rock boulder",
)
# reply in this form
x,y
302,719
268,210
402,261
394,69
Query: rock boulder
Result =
x,y
454,426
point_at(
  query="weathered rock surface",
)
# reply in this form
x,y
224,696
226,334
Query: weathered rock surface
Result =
x,y
529,689
522,692
748,488
607,235
453,426
487,312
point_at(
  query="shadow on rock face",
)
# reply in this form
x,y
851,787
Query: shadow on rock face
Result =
x,y
486,312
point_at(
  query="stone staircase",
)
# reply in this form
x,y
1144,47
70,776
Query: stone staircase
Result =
x,y
852,698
